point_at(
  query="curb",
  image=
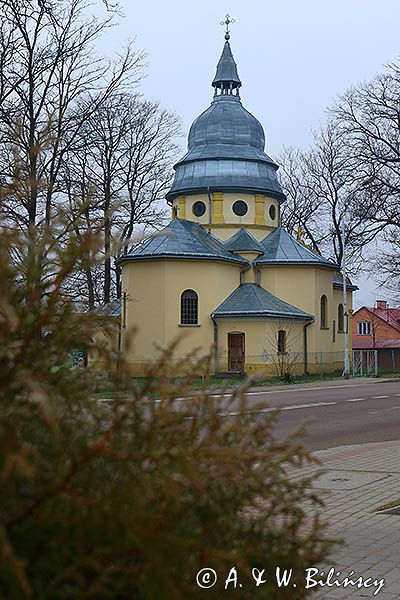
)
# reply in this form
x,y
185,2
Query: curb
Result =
x,y
318,383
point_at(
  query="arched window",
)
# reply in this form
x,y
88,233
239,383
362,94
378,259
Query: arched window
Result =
x,y
340,318
189,308
281,341
324,310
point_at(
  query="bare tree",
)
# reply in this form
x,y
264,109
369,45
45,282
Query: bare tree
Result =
x,y
282,339
150,149
387,263
49,67
302,210
122,161
370,117
325,187
369,114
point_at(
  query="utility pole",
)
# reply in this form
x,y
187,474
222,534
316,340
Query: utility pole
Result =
x,y
346,373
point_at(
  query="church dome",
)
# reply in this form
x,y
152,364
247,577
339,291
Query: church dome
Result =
x,y
226,145
226,130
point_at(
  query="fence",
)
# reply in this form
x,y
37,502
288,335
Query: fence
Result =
x,y
365,362
286,364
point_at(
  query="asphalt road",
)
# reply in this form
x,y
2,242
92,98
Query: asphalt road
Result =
x,y
337,414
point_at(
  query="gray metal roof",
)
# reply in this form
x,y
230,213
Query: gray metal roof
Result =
x,y
226,69
113,309
243,241
250,300
229,175
337,279
183,239
226,146
281,248
227,127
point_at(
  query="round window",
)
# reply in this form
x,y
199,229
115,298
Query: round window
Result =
x,y
240,208
199,208
272,212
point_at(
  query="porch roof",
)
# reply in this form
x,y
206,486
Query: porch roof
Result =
x,y
250,300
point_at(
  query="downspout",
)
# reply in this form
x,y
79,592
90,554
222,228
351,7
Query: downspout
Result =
x,y
119,350
243,271
306,346
216,365
209,206
121,326
258,271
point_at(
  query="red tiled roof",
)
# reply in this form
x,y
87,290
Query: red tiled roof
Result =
x,y
390,315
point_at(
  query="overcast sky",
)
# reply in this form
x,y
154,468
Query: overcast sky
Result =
x,y
293,58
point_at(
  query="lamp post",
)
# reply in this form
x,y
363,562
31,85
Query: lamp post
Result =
x,y
346,370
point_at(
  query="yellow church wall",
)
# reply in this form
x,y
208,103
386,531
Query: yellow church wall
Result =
x,y
259,209
276,221
322,338
338,299
229,215
144,311
190,216
261,345
181,207
225,231
295,285
213,282
153,290
153,305
250,275
257,215
303,286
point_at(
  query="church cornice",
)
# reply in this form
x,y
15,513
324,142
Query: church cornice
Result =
x,y
228,189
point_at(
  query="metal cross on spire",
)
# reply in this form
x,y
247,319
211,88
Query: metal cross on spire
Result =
x,y
227,22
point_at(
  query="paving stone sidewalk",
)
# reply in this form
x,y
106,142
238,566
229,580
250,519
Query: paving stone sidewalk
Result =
x,y
358,480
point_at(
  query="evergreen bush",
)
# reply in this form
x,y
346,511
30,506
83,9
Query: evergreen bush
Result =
x,y
131,498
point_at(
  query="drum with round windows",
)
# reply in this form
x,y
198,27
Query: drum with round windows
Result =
x,y
240,208
199,208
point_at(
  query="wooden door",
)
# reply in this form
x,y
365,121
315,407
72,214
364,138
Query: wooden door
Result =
x,y
236,352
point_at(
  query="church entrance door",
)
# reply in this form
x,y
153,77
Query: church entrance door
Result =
x,y
236,352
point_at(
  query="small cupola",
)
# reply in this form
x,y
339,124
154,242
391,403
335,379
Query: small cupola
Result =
x,y
226,81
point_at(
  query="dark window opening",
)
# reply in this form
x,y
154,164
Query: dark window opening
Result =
x,y
324,307
272,212
340,318
199,209
282,341
240,208
189,308
364,328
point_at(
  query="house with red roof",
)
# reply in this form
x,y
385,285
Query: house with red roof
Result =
x,y
378,328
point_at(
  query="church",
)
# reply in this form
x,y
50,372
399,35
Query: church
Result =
x,y
224,275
